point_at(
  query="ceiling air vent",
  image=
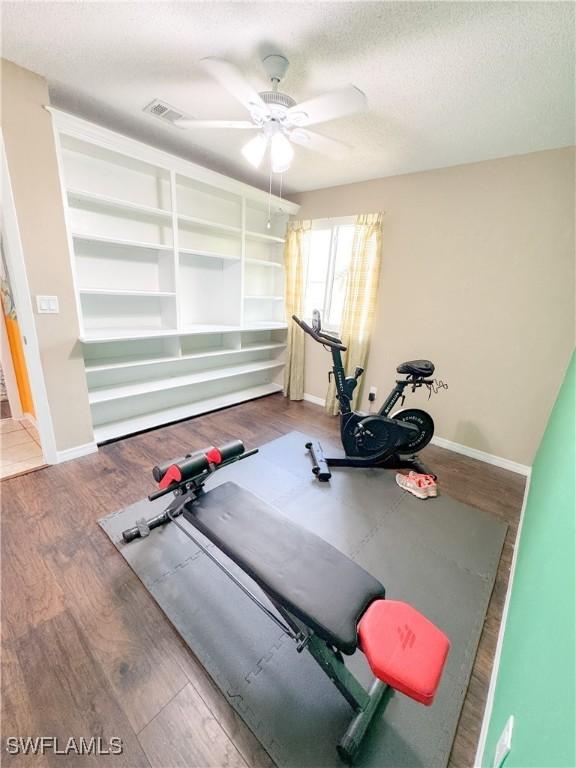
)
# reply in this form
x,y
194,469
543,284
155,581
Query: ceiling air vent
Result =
x,y
164,111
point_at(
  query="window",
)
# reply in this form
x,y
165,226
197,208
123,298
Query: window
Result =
x,y
327,270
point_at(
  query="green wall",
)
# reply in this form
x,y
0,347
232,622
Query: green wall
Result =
x,y
536,677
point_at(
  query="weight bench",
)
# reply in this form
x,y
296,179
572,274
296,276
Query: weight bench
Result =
x,y
322,599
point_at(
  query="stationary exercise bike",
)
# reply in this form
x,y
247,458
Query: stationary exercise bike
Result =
x,y
380,439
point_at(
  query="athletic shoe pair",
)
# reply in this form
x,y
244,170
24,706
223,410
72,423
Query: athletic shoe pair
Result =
x,y
421,486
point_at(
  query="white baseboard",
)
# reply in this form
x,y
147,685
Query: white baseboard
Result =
x,y
30,419
489,458
496,664
76,452
313,399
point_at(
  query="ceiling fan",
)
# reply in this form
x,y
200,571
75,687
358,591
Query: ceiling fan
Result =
x,y
278,118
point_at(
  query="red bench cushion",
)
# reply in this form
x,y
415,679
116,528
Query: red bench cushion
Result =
x,y
403,648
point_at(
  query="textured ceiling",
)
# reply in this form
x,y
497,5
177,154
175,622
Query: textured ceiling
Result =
x,y
447,83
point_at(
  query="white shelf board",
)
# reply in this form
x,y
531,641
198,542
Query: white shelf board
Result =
x,y
114,202
136,363
255,347
121,242
117,334
116,429
122,391
267,238
264,298
207,224
207,254
192,330
264,263
121,334
120,292
197,328
265,325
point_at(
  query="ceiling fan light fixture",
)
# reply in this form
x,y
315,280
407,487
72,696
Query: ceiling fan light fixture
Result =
x,y
254,150
281,152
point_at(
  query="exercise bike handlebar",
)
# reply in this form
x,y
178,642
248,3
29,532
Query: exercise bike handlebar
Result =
x,y
319,336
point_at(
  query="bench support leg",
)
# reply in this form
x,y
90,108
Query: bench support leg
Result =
x,y
352,739
365,704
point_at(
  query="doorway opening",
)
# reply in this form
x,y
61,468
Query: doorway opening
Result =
x,y
20,446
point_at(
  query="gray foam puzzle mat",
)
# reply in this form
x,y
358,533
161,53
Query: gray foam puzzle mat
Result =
x,y
439,555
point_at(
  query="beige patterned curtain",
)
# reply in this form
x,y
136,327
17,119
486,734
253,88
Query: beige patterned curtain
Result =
x,y
296,251
360,301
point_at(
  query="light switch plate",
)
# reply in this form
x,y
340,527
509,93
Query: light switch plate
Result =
x,y
47,304
504,744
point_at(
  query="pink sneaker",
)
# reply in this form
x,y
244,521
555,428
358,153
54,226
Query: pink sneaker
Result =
x,y
428,481
421,486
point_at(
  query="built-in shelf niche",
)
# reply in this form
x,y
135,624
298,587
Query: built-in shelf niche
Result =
x,y
113,354
128,312
120,267
94,169
251,339
263,280
203,201
92,218
268,309
199,237
209,343
209,290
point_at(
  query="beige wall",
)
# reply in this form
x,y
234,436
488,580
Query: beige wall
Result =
x,y
478,276
32,162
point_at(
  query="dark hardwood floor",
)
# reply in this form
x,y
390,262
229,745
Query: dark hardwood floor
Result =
x,y
87,652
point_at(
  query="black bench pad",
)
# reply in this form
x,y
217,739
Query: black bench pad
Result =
x,y
302,572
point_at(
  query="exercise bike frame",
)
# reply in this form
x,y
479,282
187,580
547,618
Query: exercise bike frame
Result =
x,y
345,386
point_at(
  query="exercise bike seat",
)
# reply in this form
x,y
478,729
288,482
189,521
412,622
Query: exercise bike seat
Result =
x,y
418,368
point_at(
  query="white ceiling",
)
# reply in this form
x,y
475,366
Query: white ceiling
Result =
x,y
447,83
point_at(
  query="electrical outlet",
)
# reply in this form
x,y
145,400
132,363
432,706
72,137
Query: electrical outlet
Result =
x,y
372,394
504,744
47,304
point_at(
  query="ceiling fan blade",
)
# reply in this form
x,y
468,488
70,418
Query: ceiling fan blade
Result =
x,y
244,125
233,81
328,106
318,143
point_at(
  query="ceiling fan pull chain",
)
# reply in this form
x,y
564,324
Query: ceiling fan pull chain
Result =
x,y
269,223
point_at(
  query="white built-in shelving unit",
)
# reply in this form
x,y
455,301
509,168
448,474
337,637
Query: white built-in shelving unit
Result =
x,y
179,280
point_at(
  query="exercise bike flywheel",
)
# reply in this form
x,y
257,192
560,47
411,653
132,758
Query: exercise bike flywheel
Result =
x,y
425,425
375,435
